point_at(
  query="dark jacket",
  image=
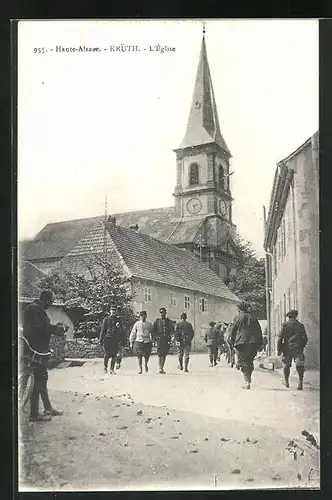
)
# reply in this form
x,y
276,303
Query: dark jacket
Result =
x,y
220,335
112,328
245,330
162,330
292,337
211,336
37,328
184,332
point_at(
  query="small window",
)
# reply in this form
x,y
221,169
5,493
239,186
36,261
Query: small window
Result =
x,y
172,299
203,305
187,302
147,295
221,177
193,174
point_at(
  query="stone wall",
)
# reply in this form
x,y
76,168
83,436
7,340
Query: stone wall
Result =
x,y
83,348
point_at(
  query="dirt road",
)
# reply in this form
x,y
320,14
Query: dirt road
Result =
x,y
177,431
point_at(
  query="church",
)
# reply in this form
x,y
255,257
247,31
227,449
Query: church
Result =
x,y
200,220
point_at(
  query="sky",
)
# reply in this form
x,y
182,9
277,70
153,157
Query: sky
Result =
x,y
96,123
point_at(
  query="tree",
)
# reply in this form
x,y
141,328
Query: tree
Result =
x,y
249,282
89,298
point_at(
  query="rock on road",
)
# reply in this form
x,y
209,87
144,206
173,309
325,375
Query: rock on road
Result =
x,y
175,431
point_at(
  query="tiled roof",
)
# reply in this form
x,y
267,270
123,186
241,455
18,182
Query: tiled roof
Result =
x,y
151,259
58,239
28,277
185,231
146,258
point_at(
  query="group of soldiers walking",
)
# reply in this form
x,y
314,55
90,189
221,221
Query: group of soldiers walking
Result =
x,y
243,336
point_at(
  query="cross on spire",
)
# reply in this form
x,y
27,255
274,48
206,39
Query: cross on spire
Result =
x,y
203,28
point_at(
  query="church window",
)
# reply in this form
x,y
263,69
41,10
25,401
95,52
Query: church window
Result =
x,y
147,295
186,302
193,174
172,299
203,306
221,176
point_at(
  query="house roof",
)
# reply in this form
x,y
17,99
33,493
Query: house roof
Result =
x,y
149,259
28,277
58,239
203,123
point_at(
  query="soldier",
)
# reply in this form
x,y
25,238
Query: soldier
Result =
x,y
141,341
211,339
183,336
37,332
162,334
246,337
292,340
112,337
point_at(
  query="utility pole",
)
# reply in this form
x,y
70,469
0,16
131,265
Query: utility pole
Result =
x,y
105,240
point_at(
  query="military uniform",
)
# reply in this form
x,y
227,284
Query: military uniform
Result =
x,y
183,336
162,333
112,338
211,339
37,330
246,337
292,340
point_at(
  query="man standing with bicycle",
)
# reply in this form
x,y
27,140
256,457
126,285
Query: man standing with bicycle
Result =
x,y
37,331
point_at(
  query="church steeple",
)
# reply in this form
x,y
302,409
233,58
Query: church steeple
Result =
x,y
203,124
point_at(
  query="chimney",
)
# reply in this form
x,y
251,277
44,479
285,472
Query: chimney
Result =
x,y
135,227
111,220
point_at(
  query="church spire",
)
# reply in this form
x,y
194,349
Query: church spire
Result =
x,y
203,124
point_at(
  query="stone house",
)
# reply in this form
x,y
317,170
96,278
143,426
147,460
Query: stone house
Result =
x,y
292,244
160,275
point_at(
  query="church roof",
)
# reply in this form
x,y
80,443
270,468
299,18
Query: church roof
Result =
x,y
57,239
147,258
203,123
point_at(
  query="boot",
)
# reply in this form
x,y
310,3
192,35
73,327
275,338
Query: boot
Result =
x,y
180,363
161,364
247,380
140,366
186,363
211,360
286,376
146,365
300,371
53,412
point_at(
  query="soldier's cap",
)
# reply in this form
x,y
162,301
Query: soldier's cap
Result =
x,y
118,308
212,323
162,309
183,316
143,313
292,313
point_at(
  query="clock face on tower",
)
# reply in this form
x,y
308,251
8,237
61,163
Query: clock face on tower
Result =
x,y
194,206
223,207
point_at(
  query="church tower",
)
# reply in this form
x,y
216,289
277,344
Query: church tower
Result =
x,y
203,177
